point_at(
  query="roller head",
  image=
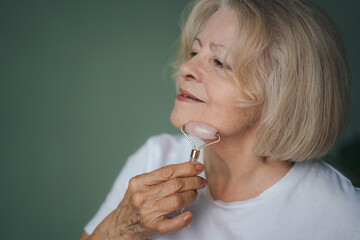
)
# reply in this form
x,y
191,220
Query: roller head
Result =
x,y
201,130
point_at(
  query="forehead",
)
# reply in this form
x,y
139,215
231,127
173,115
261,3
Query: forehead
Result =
x,y
220,28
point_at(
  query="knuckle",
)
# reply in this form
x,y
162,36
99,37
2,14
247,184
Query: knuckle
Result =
x,y
167,172
134,183
190,167
176,184
177,201
137,199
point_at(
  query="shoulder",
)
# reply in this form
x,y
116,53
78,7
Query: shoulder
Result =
x,y
330,192
329,179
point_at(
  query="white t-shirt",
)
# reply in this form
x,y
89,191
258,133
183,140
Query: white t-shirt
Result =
x,y
312,201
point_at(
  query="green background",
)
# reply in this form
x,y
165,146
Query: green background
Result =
x,y
83,84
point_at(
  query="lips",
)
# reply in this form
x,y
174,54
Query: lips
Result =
x,y
187,95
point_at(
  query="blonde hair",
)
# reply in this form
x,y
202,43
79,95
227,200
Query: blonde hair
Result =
x,y
289,60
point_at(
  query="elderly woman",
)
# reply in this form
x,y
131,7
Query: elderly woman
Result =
x,y
271,76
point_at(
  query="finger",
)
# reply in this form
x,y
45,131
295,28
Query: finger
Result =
x,y
166,173
174,224
177,185
176,201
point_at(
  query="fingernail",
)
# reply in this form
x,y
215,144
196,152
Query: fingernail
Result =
x,y
199,167
187,217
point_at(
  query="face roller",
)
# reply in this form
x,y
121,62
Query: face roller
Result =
x,y
200,130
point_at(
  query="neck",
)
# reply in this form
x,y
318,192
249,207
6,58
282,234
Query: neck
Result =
x,y
235,173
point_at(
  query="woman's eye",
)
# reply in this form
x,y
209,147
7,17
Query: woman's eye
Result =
x,y
218,63
193,54
221,65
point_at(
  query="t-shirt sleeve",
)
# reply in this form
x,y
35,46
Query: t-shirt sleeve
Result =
x,y
138,163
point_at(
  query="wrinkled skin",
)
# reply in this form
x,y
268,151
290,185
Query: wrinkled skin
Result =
x,y
149,198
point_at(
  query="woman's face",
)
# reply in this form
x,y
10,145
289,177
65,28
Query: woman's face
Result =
x,y
203,78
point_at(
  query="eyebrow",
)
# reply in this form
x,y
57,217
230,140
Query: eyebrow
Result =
x,y
211,45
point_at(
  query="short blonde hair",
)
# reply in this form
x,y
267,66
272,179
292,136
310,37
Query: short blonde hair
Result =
x,y
290,60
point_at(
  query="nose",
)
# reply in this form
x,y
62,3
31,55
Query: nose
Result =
x,y
192,69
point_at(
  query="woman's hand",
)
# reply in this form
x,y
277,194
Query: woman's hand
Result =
x,y
149,198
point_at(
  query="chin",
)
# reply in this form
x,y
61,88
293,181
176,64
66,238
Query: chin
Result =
x,y
180,117
177,120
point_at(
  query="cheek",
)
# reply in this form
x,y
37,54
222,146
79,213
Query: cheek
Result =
x,y
232,121
227,116
223,95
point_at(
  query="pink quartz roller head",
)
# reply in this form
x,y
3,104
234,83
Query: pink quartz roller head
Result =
x,y
200,130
